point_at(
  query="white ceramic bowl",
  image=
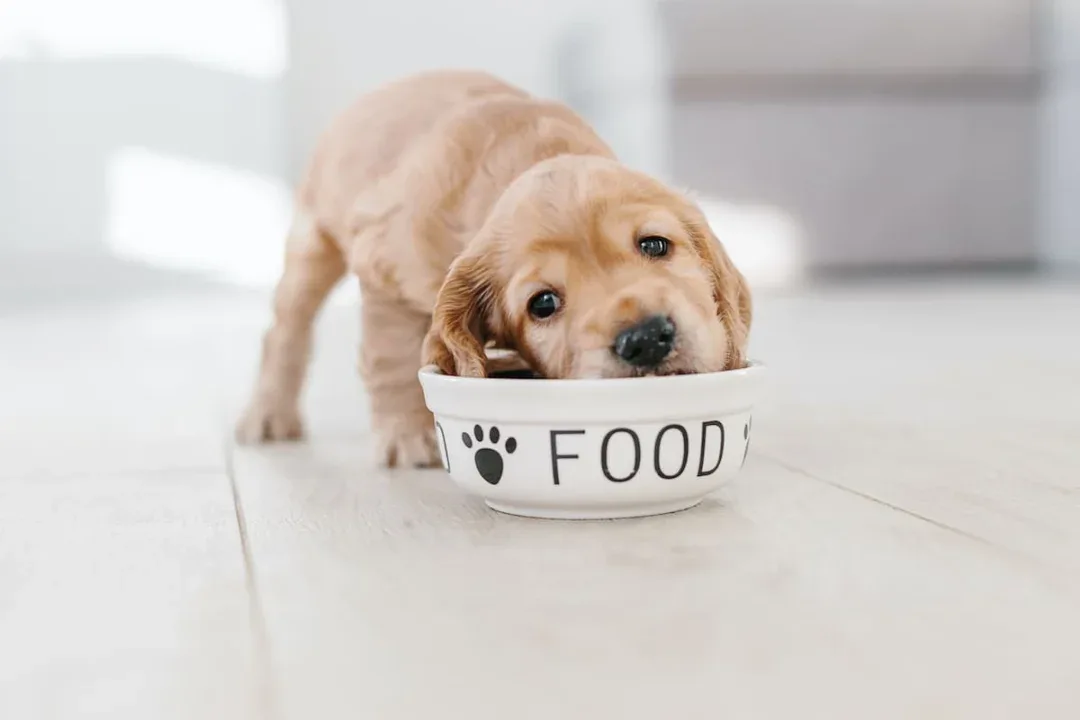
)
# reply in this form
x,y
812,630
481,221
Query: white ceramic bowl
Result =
x,y
593,449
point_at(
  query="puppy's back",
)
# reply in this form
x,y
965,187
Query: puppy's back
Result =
x,y
366,142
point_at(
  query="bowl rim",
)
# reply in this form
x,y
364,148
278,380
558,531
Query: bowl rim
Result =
x,y
753,367
594,400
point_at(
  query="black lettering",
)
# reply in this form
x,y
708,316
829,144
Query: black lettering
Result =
x,y
685,453
701,471
603,455
555,456
445,450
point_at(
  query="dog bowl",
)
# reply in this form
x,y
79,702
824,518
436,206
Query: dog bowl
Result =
x,y
593,449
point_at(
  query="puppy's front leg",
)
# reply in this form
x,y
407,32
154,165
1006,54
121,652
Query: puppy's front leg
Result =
x,y
313,265
393,335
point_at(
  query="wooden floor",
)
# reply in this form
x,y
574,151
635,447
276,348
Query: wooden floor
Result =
x,y
903,543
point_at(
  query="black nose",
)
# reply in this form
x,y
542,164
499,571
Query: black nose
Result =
x,y
647,343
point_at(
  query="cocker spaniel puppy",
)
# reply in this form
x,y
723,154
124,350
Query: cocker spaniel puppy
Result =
x,y
477,216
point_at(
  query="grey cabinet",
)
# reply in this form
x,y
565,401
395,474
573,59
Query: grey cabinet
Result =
x,y
891,132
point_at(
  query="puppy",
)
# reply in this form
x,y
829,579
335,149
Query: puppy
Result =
x,y
477,216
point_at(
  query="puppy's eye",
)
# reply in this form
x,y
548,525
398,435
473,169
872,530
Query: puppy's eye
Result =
x,y
653,246
544,304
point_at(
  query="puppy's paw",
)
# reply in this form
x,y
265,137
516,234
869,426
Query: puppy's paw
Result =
x,y
266,421
409,446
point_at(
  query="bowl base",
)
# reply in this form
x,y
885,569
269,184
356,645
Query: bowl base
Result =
x,y
600,512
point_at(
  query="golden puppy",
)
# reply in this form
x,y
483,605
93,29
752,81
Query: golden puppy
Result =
x,y
474,216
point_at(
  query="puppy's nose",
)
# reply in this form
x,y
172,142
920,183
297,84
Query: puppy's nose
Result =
x,y
647,343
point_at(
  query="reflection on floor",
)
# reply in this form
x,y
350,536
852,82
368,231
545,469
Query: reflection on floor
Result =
x,y
904,541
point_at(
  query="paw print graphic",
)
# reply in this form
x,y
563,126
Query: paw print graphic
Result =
x,y
489,461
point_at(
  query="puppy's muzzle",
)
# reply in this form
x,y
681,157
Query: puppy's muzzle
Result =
x,y
646,344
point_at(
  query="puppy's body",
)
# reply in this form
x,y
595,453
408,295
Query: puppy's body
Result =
x,y
403,179
446,194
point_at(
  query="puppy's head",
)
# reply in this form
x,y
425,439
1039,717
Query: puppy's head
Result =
x,y
590,270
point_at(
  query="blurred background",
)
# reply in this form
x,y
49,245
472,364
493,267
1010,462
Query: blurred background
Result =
x,y
151,145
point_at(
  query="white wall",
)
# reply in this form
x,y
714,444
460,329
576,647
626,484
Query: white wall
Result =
x,y
169,134
143,132
341,49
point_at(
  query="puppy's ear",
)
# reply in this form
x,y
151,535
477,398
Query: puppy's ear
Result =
x,y
461,322
730,291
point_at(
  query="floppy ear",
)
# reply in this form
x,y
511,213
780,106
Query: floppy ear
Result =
x,y
461,322
730,291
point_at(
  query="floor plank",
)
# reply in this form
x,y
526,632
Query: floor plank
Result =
x,y
392,596
960,407
118,387
124,596
904,541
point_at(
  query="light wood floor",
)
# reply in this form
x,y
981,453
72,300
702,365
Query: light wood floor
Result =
x,y
903,543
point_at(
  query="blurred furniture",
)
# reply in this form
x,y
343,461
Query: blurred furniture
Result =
x,y
1059,176
892,133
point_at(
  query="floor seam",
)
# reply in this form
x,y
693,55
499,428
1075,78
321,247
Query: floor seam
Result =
x,y
1048,574
265,676
883,503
